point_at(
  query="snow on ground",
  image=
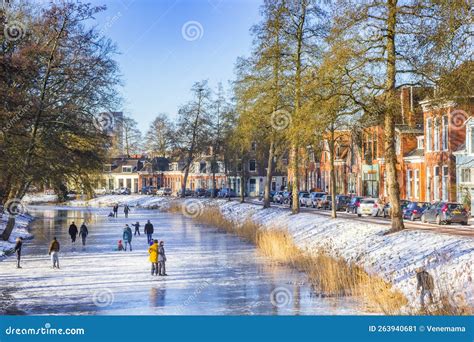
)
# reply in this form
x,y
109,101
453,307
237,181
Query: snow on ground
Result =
x,y
35,198
394,257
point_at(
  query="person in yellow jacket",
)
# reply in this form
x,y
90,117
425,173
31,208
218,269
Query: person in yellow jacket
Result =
x,y
153,251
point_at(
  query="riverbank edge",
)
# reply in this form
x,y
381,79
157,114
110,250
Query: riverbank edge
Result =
x,y
394,257
22,229
452,297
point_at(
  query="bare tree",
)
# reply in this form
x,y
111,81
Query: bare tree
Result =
x,y
191,133
158,140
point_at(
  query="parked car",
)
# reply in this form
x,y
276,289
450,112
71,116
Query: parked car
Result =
x,y
303,197
164,192
187,193
122,191
370,207
324,202
313,198
101,191
287,197
414,210
278,197
149,190
261,195
200,192
445,212
341,202
209,193
226,193
353,204
386,208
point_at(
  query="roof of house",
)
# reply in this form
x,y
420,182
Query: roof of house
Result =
x,y
417,152
117,163
408,129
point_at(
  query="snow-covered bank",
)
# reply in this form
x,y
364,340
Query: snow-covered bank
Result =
x,y
393,257
20,230
39,198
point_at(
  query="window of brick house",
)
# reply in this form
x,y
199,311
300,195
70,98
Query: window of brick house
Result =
x,y
420,142
428,134
436,136
436,183
416,184
444,138
252,165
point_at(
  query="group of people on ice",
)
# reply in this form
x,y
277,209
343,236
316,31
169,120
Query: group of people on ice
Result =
x,y
82,232
156,249
127,235
115,208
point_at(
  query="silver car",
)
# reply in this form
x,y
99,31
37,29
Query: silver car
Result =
x,y
313,198
304,196
370,207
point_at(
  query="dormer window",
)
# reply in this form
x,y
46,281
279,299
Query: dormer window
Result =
x,y
420,142
126,169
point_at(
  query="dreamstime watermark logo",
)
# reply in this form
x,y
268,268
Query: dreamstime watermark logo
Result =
x,y
103,298
281,297
104,122
458,118
110,21
192,30
15,207
192,208
14,30
280,119
193,297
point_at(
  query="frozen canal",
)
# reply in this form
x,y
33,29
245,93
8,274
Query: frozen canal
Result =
x,y
210,272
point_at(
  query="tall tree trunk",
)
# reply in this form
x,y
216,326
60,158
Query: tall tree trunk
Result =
x,y
295,186
9,228
266,200
332,173
242,183
296,115
185,180
213,167
389,120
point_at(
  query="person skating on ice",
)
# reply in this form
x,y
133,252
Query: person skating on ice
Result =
x,y
73,232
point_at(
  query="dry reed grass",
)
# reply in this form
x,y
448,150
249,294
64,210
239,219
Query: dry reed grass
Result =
x,y
328,275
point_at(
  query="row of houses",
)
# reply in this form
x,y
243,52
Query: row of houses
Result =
x,y
434,142
138,172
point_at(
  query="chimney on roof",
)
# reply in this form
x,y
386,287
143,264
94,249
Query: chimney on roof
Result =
x,y
408,112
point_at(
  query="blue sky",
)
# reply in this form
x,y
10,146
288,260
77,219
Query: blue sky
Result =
x,y
159,62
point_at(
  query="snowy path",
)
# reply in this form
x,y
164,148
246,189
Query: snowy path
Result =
x,y
209,272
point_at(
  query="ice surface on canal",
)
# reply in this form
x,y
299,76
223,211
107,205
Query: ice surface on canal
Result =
x,y
210,273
